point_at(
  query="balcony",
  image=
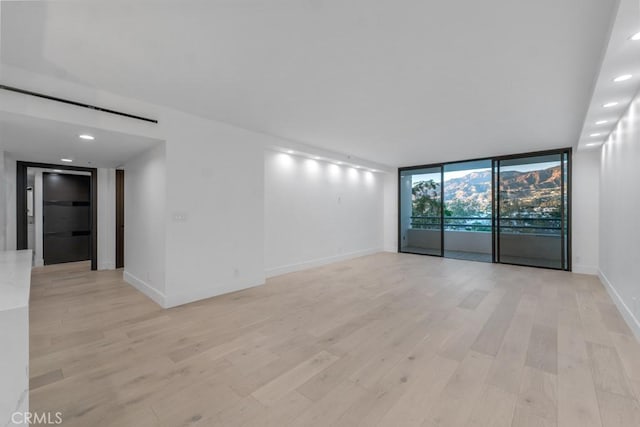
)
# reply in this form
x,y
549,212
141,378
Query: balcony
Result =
x,y
522,240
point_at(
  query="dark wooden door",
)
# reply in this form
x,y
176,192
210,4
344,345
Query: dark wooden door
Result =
x,y
119,218
66,217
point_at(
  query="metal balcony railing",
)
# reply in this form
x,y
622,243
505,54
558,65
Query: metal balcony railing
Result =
x,y
520,224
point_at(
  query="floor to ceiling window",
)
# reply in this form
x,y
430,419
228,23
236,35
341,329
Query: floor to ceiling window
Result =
x,y
421,211
511,209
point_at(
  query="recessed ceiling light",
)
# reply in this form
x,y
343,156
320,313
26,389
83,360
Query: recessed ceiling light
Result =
x,y
622,78
290,151
595,134
339,163
57,170
593,144
358,166
602,122
635,37
66,160
610,104
317,158
86,136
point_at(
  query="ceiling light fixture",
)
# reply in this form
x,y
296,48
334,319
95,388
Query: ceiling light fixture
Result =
x,y
593,144
290,151
66,160
602,122
57,170
86,136
339,163
595,134
635,37
622,78
610,104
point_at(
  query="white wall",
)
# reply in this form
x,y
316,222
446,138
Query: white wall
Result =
x,y
391,212
585,194
318,212
10,206
3,213
145,211
215,235
106,219
619,208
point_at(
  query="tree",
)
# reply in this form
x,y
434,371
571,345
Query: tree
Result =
x,y
426,195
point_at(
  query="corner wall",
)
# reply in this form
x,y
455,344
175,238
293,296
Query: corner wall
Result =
x,y
144,237
619,208
318,212
585,193
215,192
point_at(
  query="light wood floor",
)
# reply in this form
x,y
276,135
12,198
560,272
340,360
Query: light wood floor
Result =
x,y
390,340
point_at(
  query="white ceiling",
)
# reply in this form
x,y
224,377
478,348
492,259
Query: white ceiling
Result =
x,y
47,141
621,58
398,82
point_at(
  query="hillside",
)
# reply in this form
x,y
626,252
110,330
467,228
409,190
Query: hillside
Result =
x,y
520,191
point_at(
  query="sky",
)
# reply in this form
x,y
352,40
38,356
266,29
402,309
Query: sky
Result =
x,y
461,173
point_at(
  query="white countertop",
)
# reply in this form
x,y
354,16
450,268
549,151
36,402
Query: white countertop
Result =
x,y
15,279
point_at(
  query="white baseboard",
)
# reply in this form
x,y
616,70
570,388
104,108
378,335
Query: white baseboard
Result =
x,y
277,271
584,269
145,288
38,262
393,249
210,292
627,314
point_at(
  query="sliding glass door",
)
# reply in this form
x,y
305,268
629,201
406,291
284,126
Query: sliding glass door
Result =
x,y
532,214
468,210
421,211
509,209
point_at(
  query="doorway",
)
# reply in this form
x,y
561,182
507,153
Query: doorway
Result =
x,y
66,217
68,213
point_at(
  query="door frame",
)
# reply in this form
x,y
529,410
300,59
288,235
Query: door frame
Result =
x,y
120,177
21,204
495,226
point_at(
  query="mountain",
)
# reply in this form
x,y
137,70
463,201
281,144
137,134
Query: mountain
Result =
x,y
533,191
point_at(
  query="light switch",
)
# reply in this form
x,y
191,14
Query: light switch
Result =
x,y
179,217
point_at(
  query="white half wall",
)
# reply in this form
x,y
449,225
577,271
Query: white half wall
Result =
x,y
144,237
585,193
619,207
318,212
